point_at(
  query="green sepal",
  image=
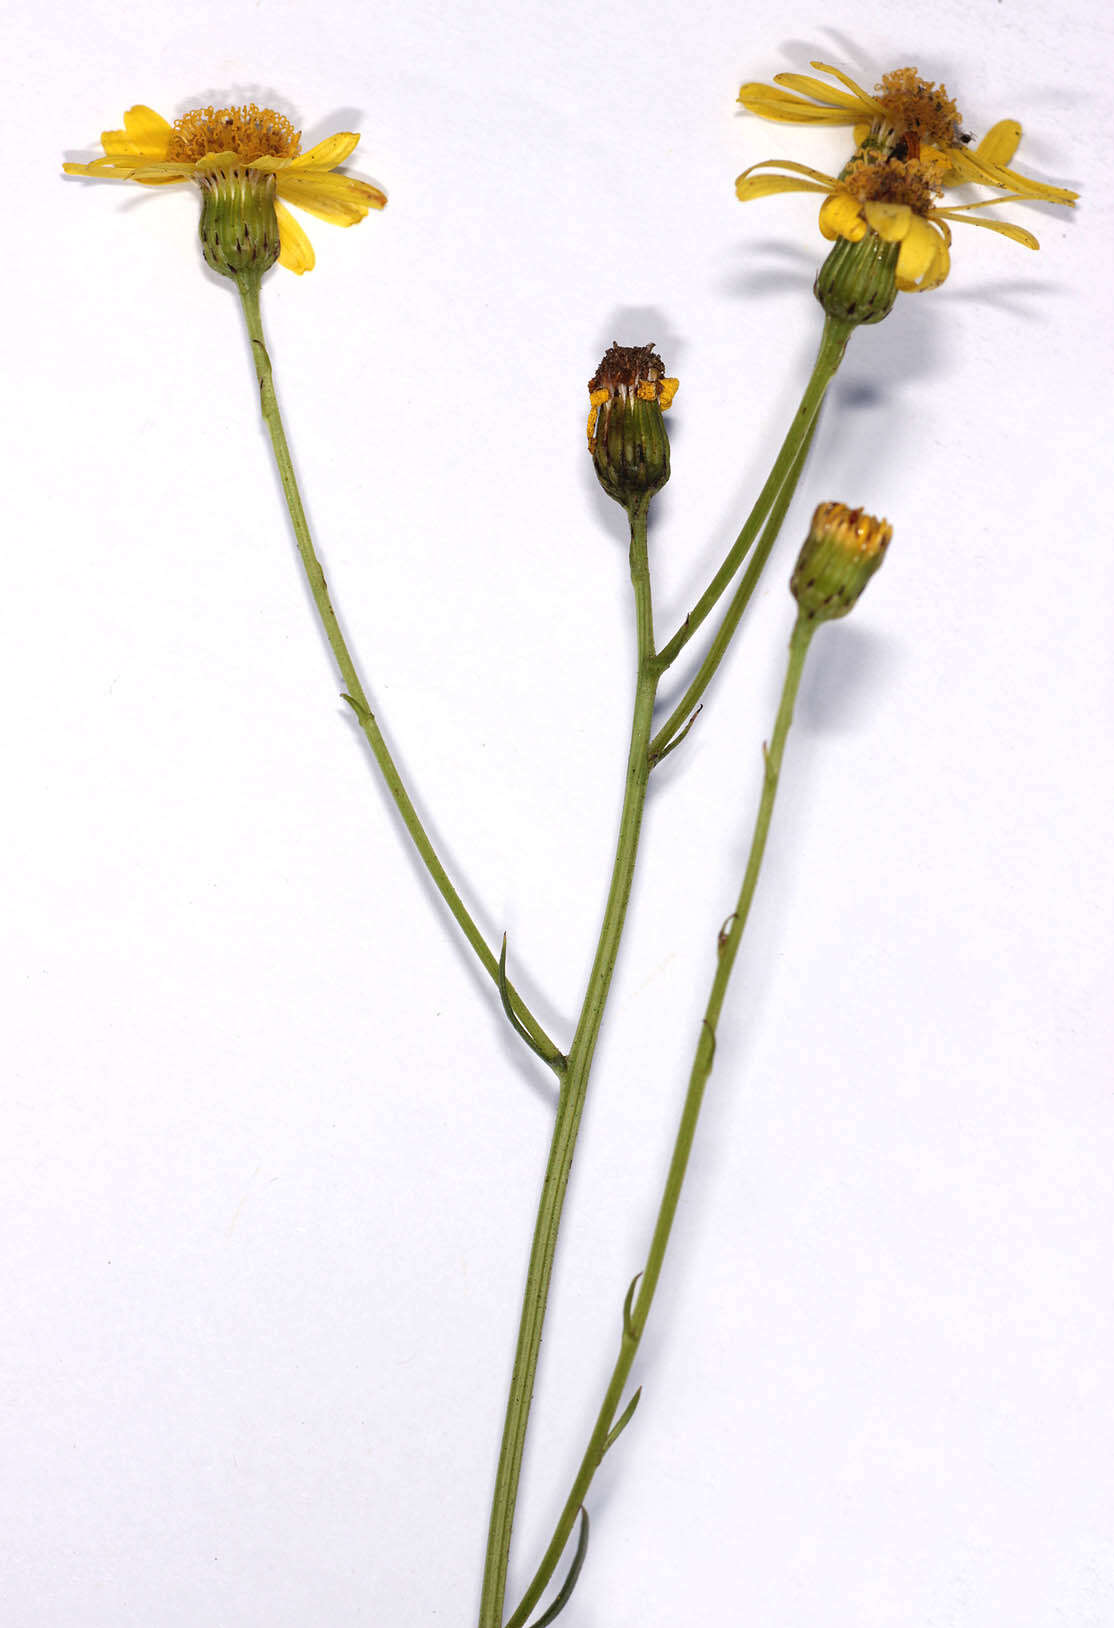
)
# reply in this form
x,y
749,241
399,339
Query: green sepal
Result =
x,y
858,281
239,228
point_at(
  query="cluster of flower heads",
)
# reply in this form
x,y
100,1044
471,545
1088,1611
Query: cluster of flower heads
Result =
x,y
208,143
909,148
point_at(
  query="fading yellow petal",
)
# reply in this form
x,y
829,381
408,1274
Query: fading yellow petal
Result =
x,y
295,249
339,199
328,153
842,216
890,220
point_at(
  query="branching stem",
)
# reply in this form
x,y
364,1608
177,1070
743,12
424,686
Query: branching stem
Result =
x,y
573,1089
636,1314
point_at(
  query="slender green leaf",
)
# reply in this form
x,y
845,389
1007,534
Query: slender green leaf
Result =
x,y
628,1327
617,1429
565,1595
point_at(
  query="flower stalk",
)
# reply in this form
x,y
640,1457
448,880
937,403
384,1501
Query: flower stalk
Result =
x,y
637,1311
248,284
574,1088
786,472
843,550
673,729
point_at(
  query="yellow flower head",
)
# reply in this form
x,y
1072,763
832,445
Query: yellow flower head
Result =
x,y
909,148
907,117
209,143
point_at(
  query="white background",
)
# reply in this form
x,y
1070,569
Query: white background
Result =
x,y
269,1152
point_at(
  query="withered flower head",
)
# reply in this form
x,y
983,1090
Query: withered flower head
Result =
x,y
626,433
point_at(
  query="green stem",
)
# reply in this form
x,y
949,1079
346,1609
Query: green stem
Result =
x,y
667,735
787,466
571,1104
248,286
635,1318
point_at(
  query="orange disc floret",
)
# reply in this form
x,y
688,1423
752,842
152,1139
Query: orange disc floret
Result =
x,y
915,181
917,106
250,132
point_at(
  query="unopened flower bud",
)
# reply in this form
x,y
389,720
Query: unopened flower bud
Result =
x,y
626,432
857,282
843,550
239,228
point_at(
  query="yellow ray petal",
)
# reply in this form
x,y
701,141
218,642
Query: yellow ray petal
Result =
x,y
912,278
149,131
827,181
340,199
939,268
842,216
816,89
1006,228
960,211
225,160
295,249
857,91
1000,142
892,221
973,167
145,135
111,167
1026,185
769,103
163,175
117,144
328,153
918,251
747,188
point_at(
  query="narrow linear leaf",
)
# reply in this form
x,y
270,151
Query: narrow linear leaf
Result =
x,y
628,1326
624,1420
661,756
515,1021
565,1595
361,711
505,996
